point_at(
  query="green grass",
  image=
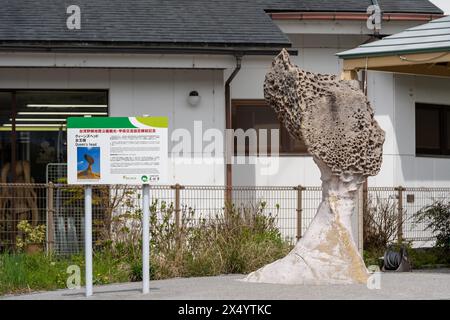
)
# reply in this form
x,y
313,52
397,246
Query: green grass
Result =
x,y
21,273
24,273
241,243
429,258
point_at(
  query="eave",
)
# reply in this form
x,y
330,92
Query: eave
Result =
x,y
425,63
352,16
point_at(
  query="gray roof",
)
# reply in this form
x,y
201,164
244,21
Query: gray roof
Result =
x,y
200,23
430,37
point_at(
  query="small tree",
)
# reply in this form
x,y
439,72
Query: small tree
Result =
x,y
380,224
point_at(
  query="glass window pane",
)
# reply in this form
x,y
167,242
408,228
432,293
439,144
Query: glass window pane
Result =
x,y
427,128
265,119
50,109
291,144
5,135
5,108
260,116
41,117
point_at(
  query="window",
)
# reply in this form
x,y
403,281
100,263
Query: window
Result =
x,y
33,128
257,114
432,129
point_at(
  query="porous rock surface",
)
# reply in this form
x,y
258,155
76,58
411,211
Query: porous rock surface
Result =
x,y
337,124
332,116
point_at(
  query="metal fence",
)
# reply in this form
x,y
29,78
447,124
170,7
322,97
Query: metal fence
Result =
x,y
20,202
61,208
408,201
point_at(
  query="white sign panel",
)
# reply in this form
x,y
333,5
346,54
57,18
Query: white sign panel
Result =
x,y
117,150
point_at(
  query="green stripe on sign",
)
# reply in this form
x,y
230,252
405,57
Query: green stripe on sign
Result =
x,y
156,122
98,123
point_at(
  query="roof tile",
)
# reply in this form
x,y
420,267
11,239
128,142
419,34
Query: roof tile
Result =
x,y
211,22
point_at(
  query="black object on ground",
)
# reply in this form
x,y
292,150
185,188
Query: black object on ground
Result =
x,y
396,260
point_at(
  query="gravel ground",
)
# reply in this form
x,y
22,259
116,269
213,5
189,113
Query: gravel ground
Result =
x,y
431,284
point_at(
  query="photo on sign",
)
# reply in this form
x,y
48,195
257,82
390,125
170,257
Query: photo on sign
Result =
x,y
88,163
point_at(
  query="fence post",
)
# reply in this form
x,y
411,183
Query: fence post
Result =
x,y
400,190
228,195
228,201
50,217
177,188
299,211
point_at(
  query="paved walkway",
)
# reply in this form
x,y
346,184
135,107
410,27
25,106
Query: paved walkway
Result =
x,y
433,284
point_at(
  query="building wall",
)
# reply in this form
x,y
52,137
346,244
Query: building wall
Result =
x,y
136,89
394,99
164,92
135,92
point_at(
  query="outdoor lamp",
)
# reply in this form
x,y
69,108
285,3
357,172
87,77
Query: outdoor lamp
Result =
x,y
194,98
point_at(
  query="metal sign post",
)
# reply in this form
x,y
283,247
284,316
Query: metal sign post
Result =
x,y
145,238
96,156
88,238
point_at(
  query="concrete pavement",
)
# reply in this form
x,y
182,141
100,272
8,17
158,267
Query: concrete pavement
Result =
x,y
432,284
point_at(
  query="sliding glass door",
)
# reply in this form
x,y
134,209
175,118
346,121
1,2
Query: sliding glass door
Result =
x,y
33,129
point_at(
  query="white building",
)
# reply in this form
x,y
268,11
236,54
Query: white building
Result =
x,y
145,57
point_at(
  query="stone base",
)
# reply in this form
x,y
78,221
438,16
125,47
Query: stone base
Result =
x,y
326,254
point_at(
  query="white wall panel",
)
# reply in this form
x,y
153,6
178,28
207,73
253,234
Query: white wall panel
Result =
x,y
88,78
381,95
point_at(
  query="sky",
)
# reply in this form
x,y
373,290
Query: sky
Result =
x,y
443,4
82,163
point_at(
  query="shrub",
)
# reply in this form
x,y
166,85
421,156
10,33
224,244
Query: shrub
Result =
x,y
428,258
237,240
31,235
380,224
437,219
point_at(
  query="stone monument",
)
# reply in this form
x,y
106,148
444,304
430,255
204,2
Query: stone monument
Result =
x,y
336,122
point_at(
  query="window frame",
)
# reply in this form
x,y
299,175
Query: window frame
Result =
x,y
444,126
237,103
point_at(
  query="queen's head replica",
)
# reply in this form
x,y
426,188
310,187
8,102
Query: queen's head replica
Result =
x,y
336,122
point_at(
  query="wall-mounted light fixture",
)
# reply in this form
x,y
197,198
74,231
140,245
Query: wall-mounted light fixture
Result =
x,y
194,98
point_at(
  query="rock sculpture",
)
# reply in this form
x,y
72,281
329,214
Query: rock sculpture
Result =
x,y
337,124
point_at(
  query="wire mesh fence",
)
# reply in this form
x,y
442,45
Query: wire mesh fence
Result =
x,y
407,202
60,207
56,173
20,202
414,199
311,198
